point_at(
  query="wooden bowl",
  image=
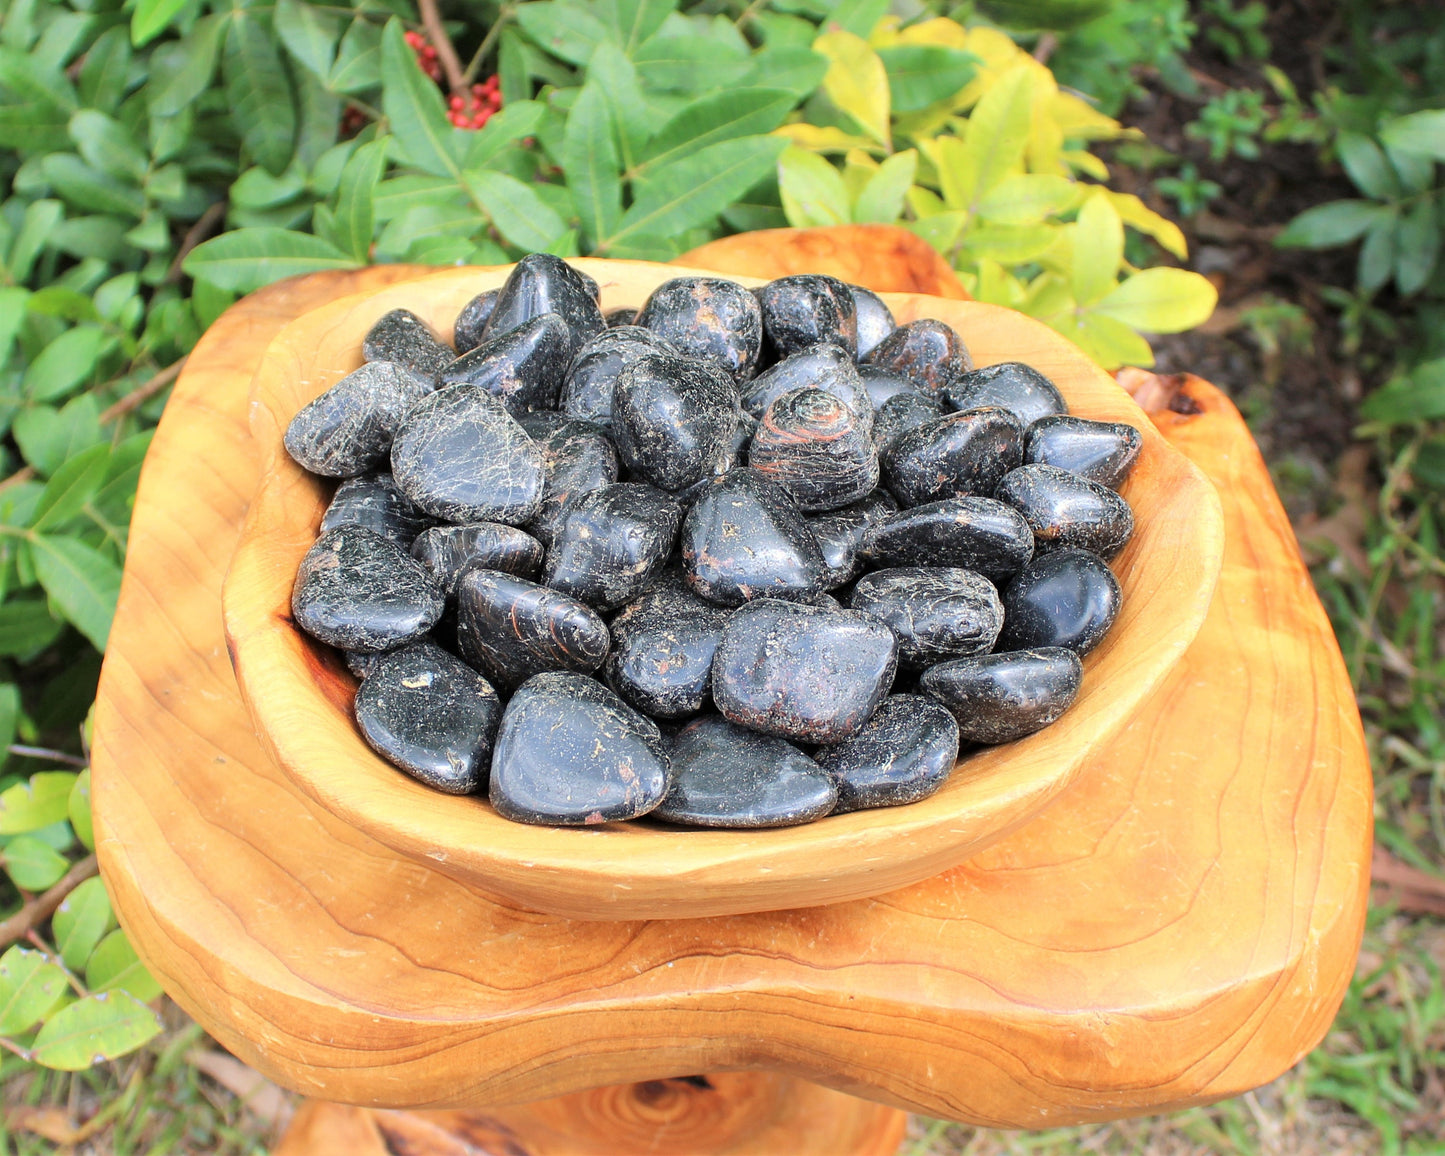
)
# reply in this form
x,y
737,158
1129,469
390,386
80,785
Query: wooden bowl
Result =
x,y
299,694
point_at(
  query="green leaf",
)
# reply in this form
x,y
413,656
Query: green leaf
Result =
x,y
246,259
1420,132
413,104
81,920
1377,254
1098,250
263,106
633,22
795,70
71,486
571,31
13,303
722,116
617,75
856,16
510,125
103,75
1417,396
1366,165
1419,246
182,70
105,144
674,61
1333,223
812,190
998,132
1008,244
589,159
881,201
26,627
1027,198
31,987
856,81
521,216
310,35
1161,300
92,1030
9,722
30,78
923,74
355,219
47,437
43,800
31,864
65,363
89,188
149,18
82,582
358,59
114,964
1109,342
451,222
78,809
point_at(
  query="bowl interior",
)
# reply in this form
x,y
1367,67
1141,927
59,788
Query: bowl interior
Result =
x,y
299,693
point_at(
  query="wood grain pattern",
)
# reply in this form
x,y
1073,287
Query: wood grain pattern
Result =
x,y
1180,926
299,694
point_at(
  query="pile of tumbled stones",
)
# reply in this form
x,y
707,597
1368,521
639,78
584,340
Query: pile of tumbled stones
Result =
x,y
838,551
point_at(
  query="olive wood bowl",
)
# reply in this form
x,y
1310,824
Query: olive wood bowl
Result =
x,y
299,693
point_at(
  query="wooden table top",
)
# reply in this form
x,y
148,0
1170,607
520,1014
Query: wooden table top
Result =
x,y
1179,926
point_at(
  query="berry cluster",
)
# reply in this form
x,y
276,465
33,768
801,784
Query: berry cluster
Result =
x,y
426,55
476,108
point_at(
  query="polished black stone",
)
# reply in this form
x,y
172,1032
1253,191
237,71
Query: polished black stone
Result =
x,y
954,456
361,664
937,612
978,534
522,367
349,428
510,628
904,753
814,446
1011,385
841,534
373,502
724,775
404,339
1102,451
616,318
460,456
571,753
1063,510
578,458
673,418
710,318
745,537
611,543
447,550
928,352
663,644
875,319
997,698
589,282
883,384
540,283
431,715
358,591
472,320
825,367
899,414
808,309
1066,598
802,672
592,376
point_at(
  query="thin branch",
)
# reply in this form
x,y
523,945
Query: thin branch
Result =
x,y
431,20
46,753
197,233
38,910
1045,47
474,66
23,474
52,956
141,393
15,1049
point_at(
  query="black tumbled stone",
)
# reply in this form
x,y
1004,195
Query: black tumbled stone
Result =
x,y
841,534
570,752
1064,510
592,377
673,418
448,550
373,502
1066,598
510,628
902,412
928,352
978,534
807,309
1102,451
431,715
349,428
954,456
522,367
663,644
875,319
578,459
358,591
802,672
1010,385
610,544
616,318
824,367
404,339
710,318
541,283
904,753
813,445
997,698
937,612
472,320
883,384
724,775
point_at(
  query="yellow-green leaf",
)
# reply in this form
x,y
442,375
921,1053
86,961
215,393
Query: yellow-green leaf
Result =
x,y
1080,120
812,190
881,201
858,170
1098,249
998,130
82,918
1027,198
856,81
1136,214
43,800
114,964
825,138
1010,244
925,203
78,805
1086,163
1111,343
957,173
940,230
1161,300
998,286
92,1030
31,988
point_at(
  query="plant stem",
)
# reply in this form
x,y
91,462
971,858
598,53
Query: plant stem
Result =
x,y
141,392
46,753
431,20
474,66
197,233
39,909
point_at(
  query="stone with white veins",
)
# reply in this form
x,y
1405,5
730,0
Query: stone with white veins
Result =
x,y
405,339
349,429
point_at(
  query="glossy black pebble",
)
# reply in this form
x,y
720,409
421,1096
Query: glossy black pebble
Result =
x,y
745,537
373,502
405,339
1012,385
813,445
663,644
540,283
510,628
522,368
472,320
937,612
592,376
616,318
904,753
802,672
928,352
875,319
724,775
902,412
448,550
978,534
673,418
1102,451
841,534
358,591
1065,510
954,456
431,715
571,753
611,543
460,456
997,698
710,318
883,384
1067,598
578,459
825,367
806,309
349,428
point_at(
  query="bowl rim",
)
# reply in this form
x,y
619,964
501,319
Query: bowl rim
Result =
x,y
298,693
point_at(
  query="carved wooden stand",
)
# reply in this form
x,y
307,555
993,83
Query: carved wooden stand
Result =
x,y
1180,926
